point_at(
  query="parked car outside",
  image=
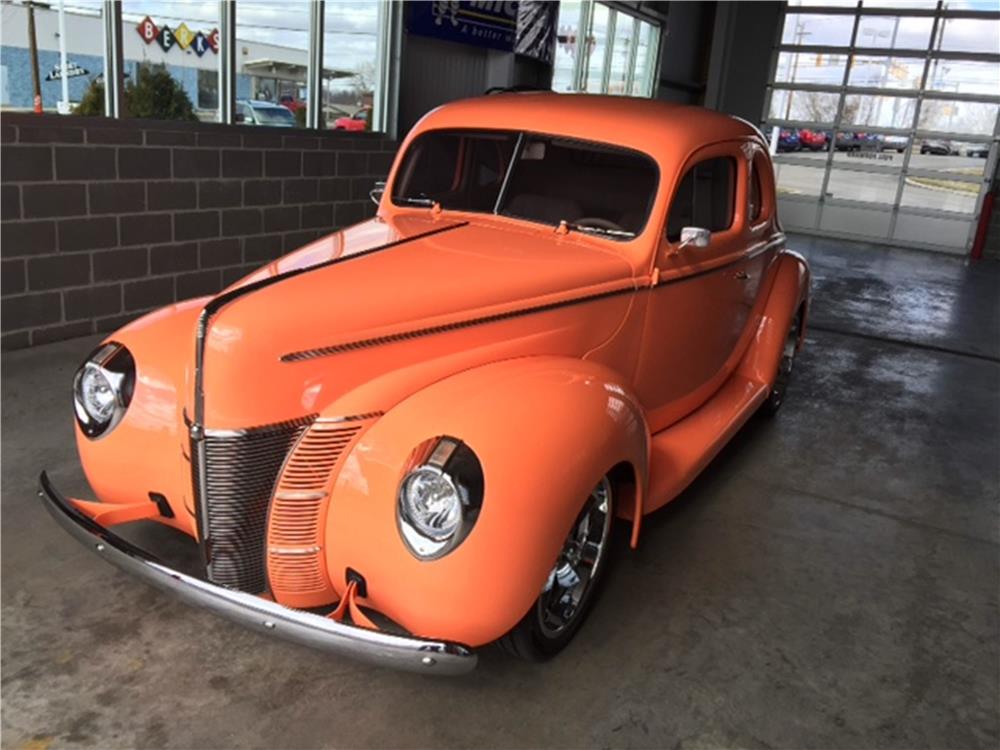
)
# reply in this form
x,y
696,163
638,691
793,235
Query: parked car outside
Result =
x,y
259,112
788,140
937,147
897,143
814,140
411,438
360,120
857,141
291,103
981,150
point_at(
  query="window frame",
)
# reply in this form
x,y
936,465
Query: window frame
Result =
x,y
522,136
739,189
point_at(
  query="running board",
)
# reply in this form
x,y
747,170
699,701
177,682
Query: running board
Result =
x,y
680,452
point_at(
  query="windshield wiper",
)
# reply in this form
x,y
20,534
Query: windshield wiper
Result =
x,y
596,230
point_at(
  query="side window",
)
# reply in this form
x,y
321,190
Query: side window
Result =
x,y
705,198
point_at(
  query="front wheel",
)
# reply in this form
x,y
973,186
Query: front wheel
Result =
x,y
777,396
572,584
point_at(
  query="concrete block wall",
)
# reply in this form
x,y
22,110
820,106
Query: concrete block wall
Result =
x,y
104,220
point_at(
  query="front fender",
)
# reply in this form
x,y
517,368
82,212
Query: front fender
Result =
x,y
546,429
788,296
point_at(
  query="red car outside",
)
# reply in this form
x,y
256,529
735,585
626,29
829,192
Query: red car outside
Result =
x,y
290,103
814,140
358,121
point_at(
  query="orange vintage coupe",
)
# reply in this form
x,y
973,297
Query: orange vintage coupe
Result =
x,y
410,438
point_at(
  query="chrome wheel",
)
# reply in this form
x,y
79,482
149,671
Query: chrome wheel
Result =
x,y
571,580
785,366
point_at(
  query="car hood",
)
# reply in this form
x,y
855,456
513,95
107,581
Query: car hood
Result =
x,y
387,295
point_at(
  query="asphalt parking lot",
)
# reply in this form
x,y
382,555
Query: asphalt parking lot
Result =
x,y
830,581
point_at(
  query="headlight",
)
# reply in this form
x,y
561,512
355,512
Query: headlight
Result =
x,y
102,389
439,500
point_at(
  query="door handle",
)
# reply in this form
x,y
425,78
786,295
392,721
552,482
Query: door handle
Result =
x,y
741,276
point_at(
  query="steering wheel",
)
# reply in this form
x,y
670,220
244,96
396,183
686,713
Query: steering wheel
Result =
x,y
598,223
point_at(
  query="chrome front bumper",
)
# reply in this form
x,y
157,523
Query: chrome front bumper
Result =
x,y
315,631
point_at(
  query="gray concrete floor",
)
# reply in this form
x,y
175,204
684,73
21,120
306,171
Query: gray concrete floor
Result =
x,y
830,582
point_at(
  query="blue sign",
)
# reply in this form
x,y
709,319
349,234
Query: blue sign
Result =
x,y
200,44
482,23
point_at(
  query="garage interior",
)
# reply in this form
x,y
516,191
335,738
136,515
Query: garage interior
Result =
x,y
832,580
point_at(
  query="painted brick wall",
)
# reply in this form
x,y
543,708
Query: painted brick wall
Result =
x,y
104,220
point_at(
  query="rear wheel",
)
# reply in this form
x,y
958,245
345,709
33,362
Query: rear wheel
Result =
x,y
572,584
777,396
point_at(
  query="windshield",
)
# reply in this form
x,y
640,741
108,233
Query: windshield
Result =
x,y
274,116
593,187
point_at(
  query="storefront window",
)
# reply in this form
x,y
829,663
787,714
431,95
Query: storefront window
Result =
x,y
272,56
567,47
350,64
84,58
208,90
169,50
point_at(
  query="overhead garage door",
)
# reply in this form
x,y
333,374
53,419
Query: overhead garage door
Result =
x,y
884,116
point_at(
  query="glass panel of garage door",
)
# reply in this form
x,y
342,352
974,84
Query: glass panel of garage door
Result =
x,y
876,186
820,30
350,64
597,44
804,106
863,111
171,44
970,34
272,43
964,117
869,71
810,67
894,32
798,180
941,192
964,77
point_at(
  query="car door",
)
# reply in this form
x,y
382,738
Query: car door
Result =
x,y
696,311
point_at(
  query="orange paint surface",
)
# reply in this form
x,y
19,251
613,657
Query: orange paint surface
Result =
x,y
554,356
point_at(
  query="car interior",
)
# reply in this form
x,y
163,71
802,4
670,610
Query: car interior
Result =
x,y
553,180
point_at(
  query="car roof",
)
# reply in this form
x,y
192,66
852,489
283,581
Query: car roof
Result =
x,y
261,104
666,131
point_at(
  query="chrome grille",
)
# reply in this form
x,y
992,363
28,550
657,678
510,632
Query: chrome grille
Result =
x,y
241,468
296,566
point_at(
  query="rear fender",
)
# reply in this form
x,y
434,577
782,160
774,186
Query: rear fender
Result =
x,y
789,294
545,429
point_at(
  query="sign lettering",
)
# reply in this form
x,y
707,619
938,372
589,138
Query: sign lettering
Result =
x,y
147,30
184,36
200,42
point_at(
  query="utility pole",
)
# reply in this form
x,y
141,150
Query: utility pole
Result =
x,y
36,83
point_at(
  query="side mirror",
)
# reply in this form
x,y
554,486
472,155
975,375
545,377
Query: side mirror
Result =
x,y
376,192
239,117
694,237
